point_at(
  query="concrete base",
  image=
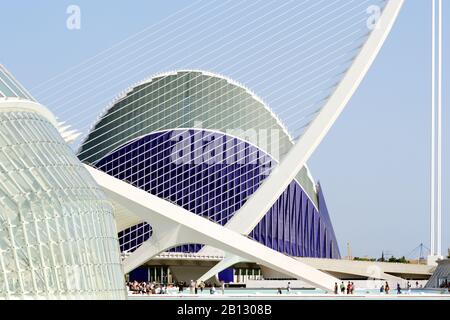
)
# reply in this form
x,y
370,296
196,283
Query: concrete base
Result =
x,y
440,275
432,260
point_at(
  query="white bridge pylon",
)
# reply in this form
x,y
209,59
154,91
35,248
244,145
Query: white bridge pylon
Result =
x,y
172,225
251,213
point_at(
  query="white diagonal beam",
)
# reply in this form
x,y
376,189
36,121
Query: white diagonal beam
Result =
x,y
245,220
191,228
251,213
226,262
157,243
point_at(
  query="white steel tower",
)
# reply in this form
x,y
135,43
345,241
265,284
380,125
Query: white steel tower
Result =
x,y
436,134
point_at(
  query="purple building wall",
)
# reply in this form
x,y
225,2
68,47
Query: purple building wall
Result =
x,y
171,164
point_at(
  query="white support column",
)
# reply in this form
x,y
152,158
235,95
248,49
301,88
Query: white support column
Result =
x,y
436,135
439,134
433,131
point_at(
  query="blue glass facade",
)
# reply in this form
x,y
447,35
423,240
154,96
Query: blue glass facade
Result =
x,y
213,178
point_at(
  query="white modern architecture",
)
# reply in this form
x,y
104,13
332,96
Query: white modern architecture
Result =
x,y
58,236
436,135
149,138
165,168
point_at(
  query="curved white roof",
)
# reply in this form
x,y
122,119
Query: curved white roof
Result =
x,y
92,142
124,93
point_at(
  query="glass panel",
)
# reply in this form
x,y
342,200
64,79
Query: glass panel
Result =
x,y
51,232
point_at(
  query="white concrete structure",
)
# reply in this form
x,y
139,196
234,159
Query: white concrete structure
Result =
x,y
174,225
436,136
341,268
255,208
58,237
171,224
370,269
351,269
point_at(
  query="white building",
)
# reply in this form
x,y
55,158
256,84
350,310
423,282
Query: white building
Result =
x,y
58,236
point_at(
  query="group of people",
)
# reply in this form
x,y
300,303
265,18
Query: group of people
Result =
x,y
349,288
288,289
385,288
136,287
194,287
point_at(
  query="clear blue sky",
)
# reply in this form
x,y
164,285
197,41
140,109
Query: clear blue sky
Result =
x,y
374,163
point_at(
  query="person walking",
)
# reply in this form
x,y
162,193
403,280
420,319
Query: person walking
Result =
x,y
192,287
202,286
336,289
342,287
386,288
399,290
352,288
288,288
348,287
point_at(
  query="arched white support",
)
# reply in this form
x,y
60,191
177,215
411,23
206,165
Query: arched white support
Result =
x,y
157,243
163,216
251,213
273,186
226,262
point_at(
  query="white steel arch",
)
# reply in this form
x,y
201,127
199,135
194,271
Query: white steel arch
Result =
x,y
260,202
273,186
181,226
